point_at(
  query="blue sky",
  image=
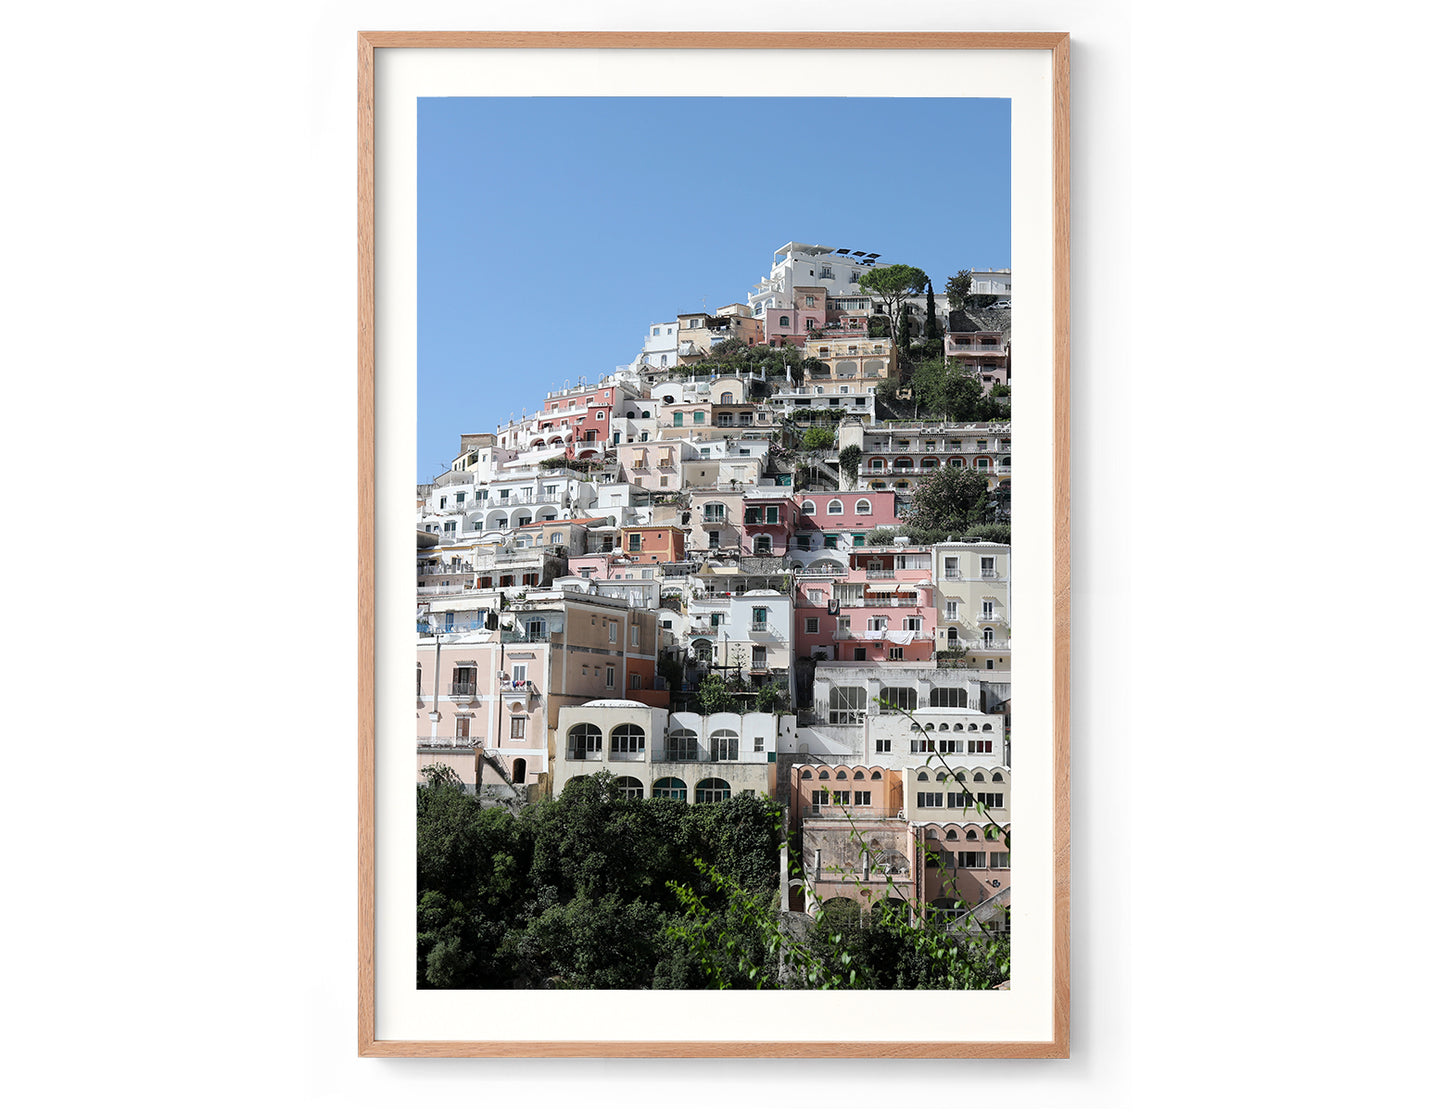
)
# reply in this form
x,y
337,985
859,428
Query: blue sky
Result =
x,y
552,231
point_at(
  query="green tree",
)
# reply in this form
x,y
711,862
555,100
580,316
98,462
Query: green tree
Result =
x,y
893,285
817,439
712,694
950,500
931,330
958,287
849,459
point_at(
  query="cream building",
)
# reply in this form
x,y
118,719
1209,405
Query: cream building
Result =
x,y
973,595
694,758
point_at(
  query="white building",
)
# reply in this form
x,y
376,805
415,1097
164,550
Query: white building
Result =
x,y
837,270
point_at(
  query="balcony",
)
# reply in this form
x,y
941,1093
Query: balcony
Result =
x,y
525,637
445,743
880,603
455,589
988,573
882,573
463,692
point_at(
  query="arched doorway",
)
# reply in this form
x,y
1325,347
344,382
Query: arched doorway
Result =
x,y
519,770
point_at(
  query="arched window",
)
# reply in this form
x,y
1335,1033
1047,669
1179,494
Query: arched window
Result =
x,y
682,745
808,507
628,739
858,775
726,398
630,787
782,322
929,464
972,726
981,464
835,507
988,727
971,836
943,727
584,742
825,775
722,745
713,790
876,776
806,775
978,778
669,787
876,463
998,777
951,836
863,506
556,538
923,776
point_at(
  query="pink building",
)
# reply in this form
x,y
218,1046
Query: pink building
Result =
x,y
881,608
768,521
831,523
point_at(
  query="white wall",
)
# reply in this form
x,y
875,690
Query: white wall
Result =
x,y
175,162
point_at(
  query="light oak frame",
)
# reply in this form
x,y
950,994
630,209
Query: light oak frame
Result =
x,y
1057,43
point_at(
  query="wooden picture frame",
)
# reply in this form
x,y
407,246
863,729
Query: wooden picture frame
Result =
x,y
1055,46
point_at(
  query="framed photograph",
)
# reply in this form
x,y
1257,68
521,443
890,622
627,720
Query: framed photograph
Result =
x,y
714,533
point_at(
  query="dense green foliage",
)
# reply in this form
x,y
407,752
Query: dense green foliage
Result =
x,y
931,330
573,893
950,501
892,285
957,288
818,438
849,460
945,389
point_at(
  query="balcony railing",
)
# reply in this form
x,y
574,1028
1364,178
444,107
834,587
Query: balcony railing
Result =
x,y
466,690
989,573
872,603
455,589
446,743
882,573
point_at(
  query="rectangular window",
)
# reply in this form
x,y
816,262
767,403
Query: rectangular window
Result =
x,y
636,636
519,675
820,799
760,658
611,676
930,799
950,611
698,416
810,625
677,420
842,799
612,633
634,680
863,799
758,745
950,567
973,859
991,800
634,542
960,799
998,861
914,624
713,538
519,726
830,540
859,539
464,729
895,654
771,515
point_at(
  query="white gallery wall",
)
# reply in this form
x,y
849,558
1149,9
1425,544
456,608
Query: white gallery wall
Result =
x,y
1253,603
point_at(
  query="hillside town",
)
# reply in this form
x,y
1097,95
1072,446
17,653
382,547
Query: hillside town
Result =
x,y
768,556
